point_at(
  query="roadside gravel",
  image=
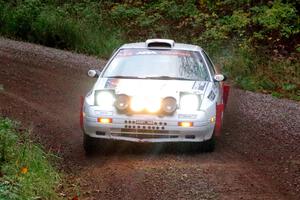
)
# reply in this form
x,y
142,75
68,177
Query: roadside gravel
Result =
x,y
266,130
26,52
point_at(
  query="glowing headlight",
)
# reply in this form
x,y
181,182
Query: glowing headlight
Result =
x,y
153,105
137,104
189,102
104,98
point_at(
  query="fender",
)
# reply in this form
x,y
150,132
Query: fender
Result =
x,y
226,89
220,109
218,125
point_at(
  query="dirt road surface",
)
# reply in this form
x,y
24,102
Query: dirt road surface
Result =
x,y
257,157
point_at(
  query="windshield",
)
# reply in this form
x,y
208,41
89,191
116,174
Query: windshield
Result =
x,y
160,64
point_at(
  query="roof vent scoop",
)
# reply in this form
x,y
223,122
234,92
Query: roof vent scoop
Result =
x,y
160,43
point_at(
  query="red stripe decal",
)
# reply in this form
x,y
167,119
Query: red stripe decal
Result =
x,y
226,89
81,112
218,126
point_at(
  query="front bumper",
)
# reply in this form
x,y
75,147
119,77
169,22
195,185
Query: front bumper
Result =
x,y
148,128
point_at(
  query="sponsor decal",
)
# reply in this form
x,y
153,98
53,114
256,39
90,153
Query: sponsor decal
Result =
x,y
146,53
176,53
187,116
103,113
124,53
211,96
137,52
111,83
198,85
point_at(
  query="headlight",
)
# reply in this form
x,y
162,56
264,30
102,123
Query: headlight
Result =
x,y
169,105
122,102
104,98
153,105
189,102
138,104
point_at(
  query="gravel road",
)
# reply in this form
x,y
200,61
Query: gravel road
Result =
x,y
257,157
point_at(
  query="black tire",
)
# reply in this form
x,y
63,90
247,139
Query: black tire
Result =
x,y
208,145
89,144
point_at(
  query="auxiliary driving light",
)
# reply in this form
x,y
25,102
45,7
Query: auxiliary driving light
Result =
x,y
122,102
104,120
153,105
185,124
138,104
169,105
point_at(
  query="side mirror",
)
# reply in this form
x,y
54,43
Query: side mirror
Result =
x,y
93,73
220,77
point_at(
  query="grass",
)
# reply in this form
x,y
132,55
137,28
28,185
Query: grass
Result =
x,y
25,170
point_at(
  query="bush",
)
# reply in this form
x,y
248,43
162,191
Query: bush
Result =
x,y
254,41
279,18
69,26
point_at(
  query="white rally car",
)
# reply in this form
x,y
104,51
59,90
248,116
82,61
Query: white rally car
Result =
x,y
155,91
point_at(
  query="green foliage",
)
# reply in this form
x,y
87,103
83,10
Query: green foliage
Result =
x,y
265,83
247,83
237,22
77,26
289,87
125,12
277,94
24,165
279,17
253,41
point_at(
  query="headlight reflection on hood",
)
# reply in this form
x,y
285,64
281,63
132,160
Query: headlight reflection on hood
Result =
x,y
189,102
105,98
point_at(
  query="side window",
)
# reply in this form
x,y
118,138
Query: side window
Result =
x,y
209,63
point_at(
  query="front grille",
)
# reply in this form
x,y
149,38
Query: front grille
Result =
x,y
144,136
152,130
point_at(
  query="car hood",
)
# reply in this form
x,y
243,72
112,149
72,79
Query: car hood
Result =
x,y
146,87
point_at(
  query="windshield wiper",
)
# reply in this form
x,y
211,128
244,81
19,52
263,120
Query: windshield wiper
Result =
x,y
168,78
125,77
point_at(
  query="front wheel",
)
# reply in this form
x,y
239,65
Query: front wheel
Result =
x,y
89,144
208,145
